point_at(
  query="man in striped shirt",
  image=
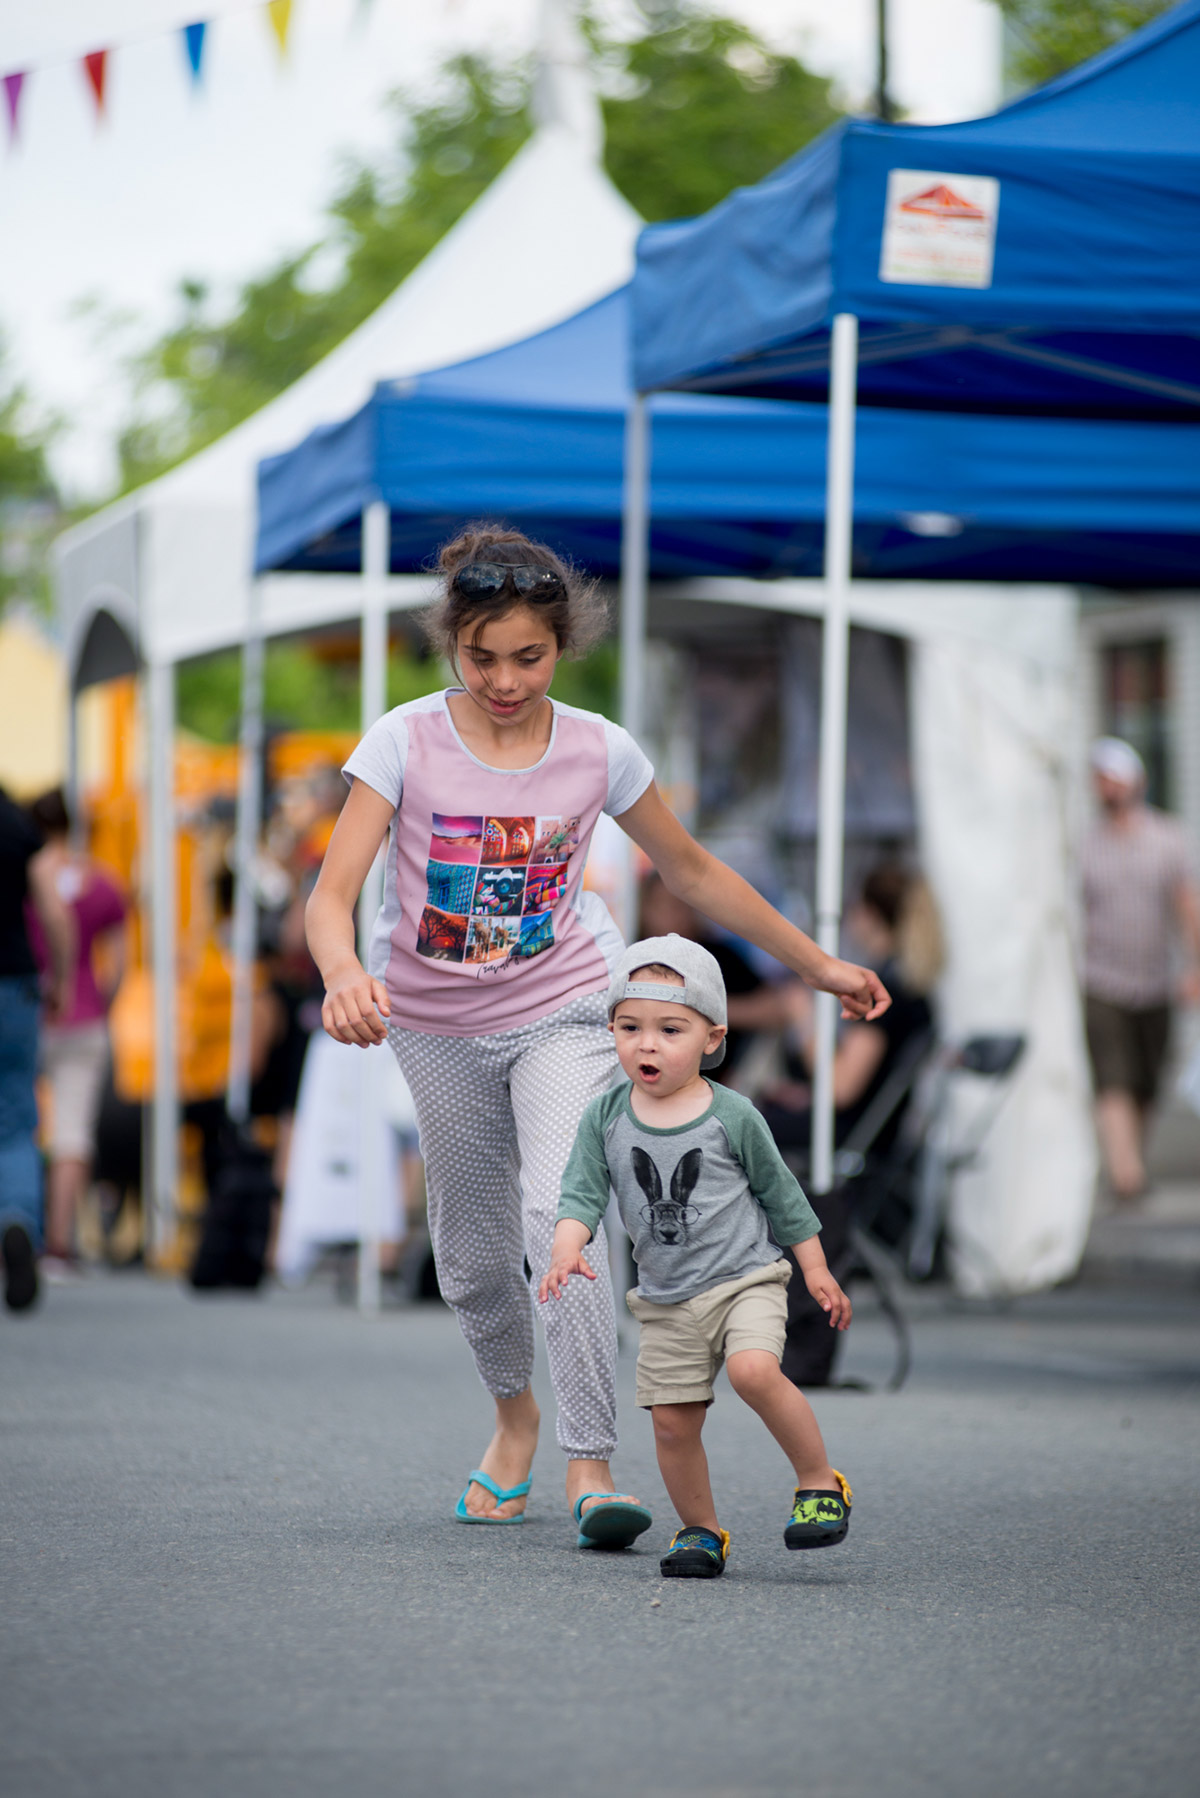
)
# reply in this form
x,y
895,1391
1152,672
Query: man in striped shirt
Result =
x,y
1139,898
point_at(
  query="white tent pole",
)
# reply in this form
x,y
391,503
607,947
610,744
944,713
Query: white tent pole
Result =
x,y
635,561
376,566
835,663
163,1184
249,822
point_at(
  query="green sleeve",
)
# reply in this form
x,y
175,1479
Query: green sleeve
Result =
x,y
791,1217
586,1181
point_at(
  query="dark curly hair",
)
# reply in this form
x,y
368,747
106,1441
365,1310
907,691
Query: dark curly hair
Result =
x,y
577,614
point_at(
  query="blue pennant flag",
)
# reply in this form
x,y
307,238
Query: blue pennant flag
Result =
x,y
193,42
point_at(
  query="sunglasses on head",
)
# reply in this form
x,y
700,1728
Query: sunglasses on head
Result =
x,y
476,580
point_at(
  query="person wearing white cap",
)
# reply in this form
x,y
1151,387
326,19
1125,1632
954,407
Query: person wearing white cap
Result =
x,y
1138,897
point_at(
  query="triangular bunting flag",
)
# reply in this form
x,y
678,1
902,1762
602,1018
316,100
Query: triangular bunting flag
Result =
x,y
12,93
280,14
95,68
193,43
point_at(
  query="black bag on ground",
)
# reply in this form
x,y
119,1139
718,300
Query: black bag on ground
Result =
x,y
237,1219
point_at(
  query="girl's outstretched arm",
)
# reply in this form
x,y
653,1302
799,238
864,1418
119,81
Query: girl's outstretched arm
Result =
x,y
697,877
353,1001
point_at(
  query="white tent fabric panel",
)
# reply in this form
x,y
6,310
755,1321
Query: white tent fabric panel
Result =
x,y
346,1122
992,745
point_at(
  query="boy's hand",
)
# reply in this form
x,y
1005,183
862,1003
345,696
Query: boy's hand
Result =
x,y
829,1296
561,1269
566,1258
355,1007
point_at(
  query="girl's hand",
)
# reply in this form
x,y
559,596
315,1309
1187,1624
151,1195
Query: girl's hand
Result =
x,y
352,1007
830,1297
565,1261
861,991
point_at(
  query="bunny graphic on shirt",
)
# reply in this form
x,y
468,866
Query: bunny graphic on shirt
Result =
x,y
670,1219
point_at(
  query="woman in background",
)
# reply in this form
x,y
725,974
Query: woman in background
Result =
x,y
74,1046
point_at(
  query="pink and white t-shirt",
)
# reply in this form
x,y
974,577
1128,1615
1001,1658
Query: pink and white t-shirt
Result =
x,y
485,924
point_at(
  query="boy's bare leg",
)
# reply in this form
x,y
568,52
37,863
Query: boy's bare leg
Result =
x,y
684,1464
508,1456
756,1376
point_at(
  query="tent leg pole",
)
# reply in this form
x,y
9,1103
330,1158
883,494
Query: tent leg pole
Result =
x,y
635,562
376,566
835,662
164,1160
249,820
78,835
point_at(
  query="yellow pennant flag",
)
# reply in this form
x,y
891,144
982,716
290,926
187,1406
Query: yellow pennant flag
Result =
x,y
280,14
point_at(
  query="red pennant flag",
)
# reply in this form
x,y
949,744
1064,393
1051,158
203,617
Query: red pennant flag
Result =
x,y
95,68
12,93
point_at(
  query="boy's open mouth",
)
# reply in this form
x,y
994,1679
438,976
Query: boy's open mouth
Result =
x,y
647,1070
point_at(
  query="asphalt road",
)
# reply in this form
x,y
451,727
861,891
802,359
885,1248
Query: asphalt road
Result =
x,y
229,1568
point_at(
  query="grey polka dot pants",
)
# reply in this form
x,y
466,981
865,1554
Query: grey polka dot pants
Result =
x,y
497,1117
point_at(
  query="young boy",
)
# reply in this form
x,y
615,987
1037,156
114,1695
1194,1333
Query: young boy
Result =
x,y
706,1198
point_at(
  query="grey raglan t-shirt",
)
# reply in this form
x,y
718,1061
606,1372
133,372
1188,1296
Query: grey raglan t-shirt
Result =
x,y
703,1203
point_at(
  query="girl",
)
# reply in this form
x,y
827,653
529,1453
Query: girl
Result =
x,y
488,969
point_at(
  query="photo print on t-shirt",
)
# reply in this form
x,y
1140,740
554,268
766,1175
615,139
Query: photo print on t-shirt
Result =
x,y
441,935
537,933
557,839
456,839
492,884
492,939
544,887
498,892
507,840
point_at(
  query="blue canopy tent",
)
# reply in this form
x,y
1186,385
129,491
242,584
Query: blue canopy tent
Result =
x,y
1044,261
533,434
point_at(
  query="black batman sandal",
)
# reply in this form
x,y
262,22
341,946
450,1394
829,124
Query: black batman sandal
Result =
x,y
819,1519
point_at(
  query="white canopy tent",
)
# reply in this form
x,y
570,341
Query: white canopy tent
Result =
x,y
996,755
167,572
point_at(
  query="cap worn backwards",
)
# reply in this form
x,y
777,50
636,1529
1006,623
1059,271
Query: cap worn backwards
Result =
x,y
703,988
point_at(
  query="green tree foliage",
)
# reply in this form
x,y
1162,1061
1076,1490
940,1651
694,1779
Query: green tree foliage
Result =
x,y
1050,36
703,106
305,690
694,107
28,503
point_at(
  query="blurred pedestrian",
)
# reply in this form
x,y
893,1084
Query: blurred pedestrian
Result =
x,y
1139,906
24,874
497,1016
74,1043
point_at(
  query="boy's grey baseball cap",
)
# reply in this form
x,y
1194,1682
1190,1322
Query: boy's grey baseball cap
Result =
x,y
703,987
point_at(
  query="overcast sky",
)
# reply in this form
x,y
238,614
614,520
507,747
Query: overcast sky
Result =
x,y
219,181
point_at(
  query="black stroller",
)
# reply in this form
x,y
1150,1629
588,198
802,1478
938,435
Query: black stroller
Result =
x,y
885,1218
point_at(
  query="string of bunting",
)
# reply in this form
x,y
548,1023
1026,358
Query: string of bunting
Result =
x,y
96,65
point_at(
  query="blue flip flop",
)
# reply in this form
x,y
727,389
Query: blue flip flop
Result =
x,y
479,1478
612,1525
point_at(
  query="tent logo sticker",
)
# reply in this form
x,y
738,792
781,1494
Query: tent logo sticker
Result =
x,y
939,230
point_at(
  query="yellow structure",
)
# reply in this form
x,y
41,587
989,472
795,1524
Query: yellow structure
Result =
x,y
33,707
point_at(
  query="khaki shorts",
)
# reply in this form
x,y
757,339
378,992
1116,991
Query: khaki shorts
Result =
x,y
683,1347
